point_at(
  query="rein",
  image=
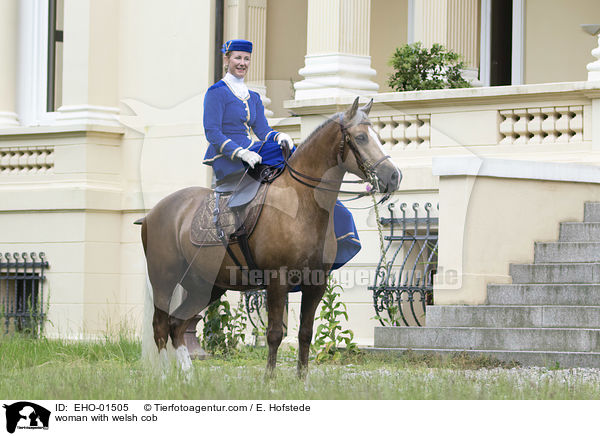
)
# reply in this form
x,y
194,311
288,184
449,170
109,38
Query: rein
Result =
x,y
367,169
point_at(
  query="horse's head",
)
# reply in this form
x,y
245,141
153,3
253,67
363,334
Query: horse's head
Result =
x,y
361,152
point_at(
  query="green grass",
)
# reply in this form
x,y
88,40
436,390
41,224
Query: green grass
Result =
x,y
111,369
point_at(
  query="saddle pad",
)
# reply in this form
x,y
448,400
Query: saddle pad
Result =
x,y
203,231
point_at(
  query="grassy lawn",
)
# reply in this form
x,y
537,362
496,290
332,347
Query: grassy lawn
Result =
x,y
112,369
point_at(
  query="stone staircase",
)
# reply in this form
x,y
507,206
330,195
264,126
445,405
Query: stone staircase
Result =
x,y
548,316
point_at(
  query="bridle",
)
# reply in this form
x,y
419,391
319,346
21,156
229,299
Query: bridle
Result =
x,y
364,165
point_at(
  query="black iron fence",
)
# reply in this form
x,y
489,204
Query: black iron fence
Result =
x,y
256,310
22,291
403,285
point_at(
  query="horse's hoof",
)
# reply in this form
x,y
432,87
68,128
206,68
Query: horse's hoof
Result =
x,y
301,373
183,358
187,377
269,374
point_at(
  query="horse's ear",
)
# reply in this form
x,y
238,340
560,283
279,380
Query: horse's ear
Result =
x,y
367,108
350,113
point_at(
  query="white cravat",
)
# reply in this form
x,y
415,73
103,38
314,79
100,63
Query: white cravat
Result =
x,y
238,86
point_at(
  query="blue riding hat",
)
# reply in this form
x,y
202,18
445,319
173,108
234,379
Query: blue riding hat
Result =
x,y
237,45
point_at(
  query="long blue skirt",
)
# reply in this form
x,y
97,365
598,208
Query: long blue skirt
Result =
x,y
348,243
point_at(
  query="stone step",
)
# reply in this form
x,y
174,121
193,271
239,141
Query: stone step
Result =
x,y
543,294
553,359
485,338
554,252
591,212
579,232
556,273
514,316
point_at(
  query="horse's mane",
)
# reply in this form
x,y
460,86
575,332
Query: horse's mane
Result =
x,y
335,118
338,117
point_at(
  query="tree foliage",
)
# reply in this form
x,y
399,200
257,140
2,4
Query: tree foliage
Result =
x,y
418,68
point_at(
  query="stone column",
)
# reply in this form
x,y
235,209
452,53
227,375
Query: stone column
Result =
x,y
247,19
594,67
452,23
8,66
431,22
90,71
337,60
463,33
593,75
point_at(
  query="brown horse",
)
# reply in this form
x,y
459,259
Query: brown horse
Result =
x,y
294,233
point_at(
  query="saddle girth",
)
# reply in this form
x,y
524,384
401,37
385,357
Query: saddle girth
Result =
x,y
241,234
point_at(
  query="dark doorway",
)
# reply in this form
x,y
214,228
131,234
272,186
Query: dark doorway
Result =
x,y
501,44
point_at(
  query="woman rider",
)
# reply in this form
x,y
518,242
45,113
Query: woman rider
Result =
x,y
230,111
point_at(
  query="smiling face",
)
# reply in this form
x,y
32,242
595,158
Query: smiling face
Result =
x,y
238,63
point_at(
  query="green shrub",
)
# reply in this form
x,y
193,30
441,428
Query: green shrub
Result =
x,y
329,336
224,328
418,68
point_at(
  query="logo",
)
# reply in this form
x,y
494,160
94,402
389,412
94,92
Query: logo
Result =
x,y
26,415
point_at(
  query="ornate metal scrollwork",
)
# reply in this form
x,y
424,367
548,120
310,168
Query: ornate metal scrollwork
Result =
x,y
403,285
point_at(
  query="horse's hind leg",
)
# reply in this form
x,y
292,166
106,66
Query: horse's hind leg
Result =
x,y
160,325
196,300
311,296
177,329
276,295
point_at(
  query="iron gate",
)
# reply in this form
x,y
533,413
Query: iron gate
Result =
x,y
256,310
403,285
22,291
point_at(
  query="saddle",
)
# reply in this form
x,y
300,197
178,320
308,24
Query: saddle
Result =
x,y
229,215
215,219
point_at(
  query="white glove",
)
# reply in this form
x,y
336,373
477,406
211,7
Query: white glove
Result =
x,y
284,140
250,157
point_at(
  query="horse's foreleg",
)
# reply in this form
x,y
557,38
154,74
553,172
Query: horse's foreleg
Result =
x,y
276,295
311,296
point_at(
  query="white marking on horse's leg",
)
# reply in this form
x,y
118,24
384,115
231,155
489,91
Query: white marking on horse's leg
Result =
x,y
183,358
163,358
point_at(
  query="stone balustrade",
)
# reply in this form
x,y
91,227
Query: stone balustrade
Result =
x,y
26,160
405,131
553,121
547,125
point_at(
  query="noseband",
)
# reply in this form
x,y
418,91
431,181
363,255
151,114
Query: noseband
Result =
x,y
364,165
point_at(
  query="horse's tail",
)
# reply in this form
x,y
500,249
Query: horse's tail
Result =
x,y
149,350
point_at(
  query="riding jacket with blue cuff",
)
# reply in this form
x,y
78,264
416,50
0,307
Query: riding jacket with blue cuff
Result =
x,y
228,121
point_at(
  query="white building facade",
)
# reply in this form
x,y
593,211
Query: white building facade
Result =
x,y
101,116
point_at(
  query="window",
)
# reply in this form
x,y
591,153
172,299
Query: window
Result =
x,y
40,59
501,42
21,293
55,52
